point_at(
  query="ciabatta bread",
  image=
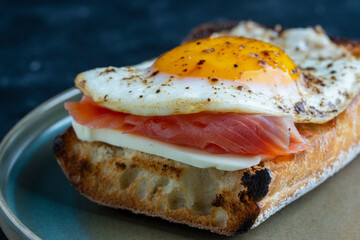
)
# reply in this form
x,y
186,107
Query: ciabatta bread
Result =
x,y
220,201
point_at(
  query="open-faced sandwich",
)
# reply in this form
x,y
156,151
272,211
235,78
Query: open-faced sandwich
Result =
x,y
220,132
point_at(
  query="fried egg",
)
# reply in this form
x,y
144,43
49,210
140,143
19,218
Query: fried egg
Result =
x,y
249,69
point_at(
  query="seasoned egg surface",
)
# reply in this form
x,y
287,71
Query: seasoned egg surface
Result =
x,y
250,69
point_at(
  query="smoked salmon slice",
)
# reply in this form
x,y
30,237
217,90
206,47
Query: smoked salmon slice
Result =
x,y
218,133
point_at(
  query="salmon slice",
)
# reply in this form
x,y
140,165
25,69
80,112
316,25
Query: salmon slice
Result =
x,y
218,133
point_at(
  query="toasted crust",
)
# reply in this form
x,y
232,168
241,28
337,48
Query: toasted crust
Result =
x,y
220,201
223,202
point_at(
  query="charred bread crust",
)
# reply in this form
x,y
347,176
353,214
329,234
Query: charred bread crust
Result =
x,y
351,44
205,30
222,202
257,184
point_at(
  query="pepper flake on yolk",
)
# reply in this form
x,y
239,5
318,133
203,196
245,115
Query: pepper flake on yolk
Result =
x,y
230,58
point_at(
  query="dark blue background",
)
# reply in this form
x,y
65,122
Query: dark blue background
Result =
x,y
44,44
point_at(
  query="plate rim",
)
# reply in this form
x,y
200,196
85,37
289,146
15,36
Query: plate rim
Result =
x,y
7,215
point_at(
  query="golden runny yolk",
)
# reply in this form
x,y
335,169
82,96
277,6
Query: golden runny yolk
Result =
x,y
230,58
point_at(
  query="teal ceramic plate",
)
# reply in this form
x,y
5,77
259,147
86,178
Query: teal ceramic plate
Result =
x,y
36,200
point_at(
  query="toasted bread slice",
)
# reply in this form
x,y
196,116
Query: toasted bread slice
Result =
x,y
223,202
220,201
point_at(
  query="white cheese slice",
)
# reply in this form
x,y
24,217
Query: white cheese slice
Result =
x,y
195,157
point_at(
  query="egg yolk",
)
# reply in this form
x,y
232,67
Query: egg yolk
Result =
x,y
230,58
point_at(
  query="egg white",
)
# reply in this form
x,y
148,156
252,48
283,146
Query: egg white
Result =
x,y
330,80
